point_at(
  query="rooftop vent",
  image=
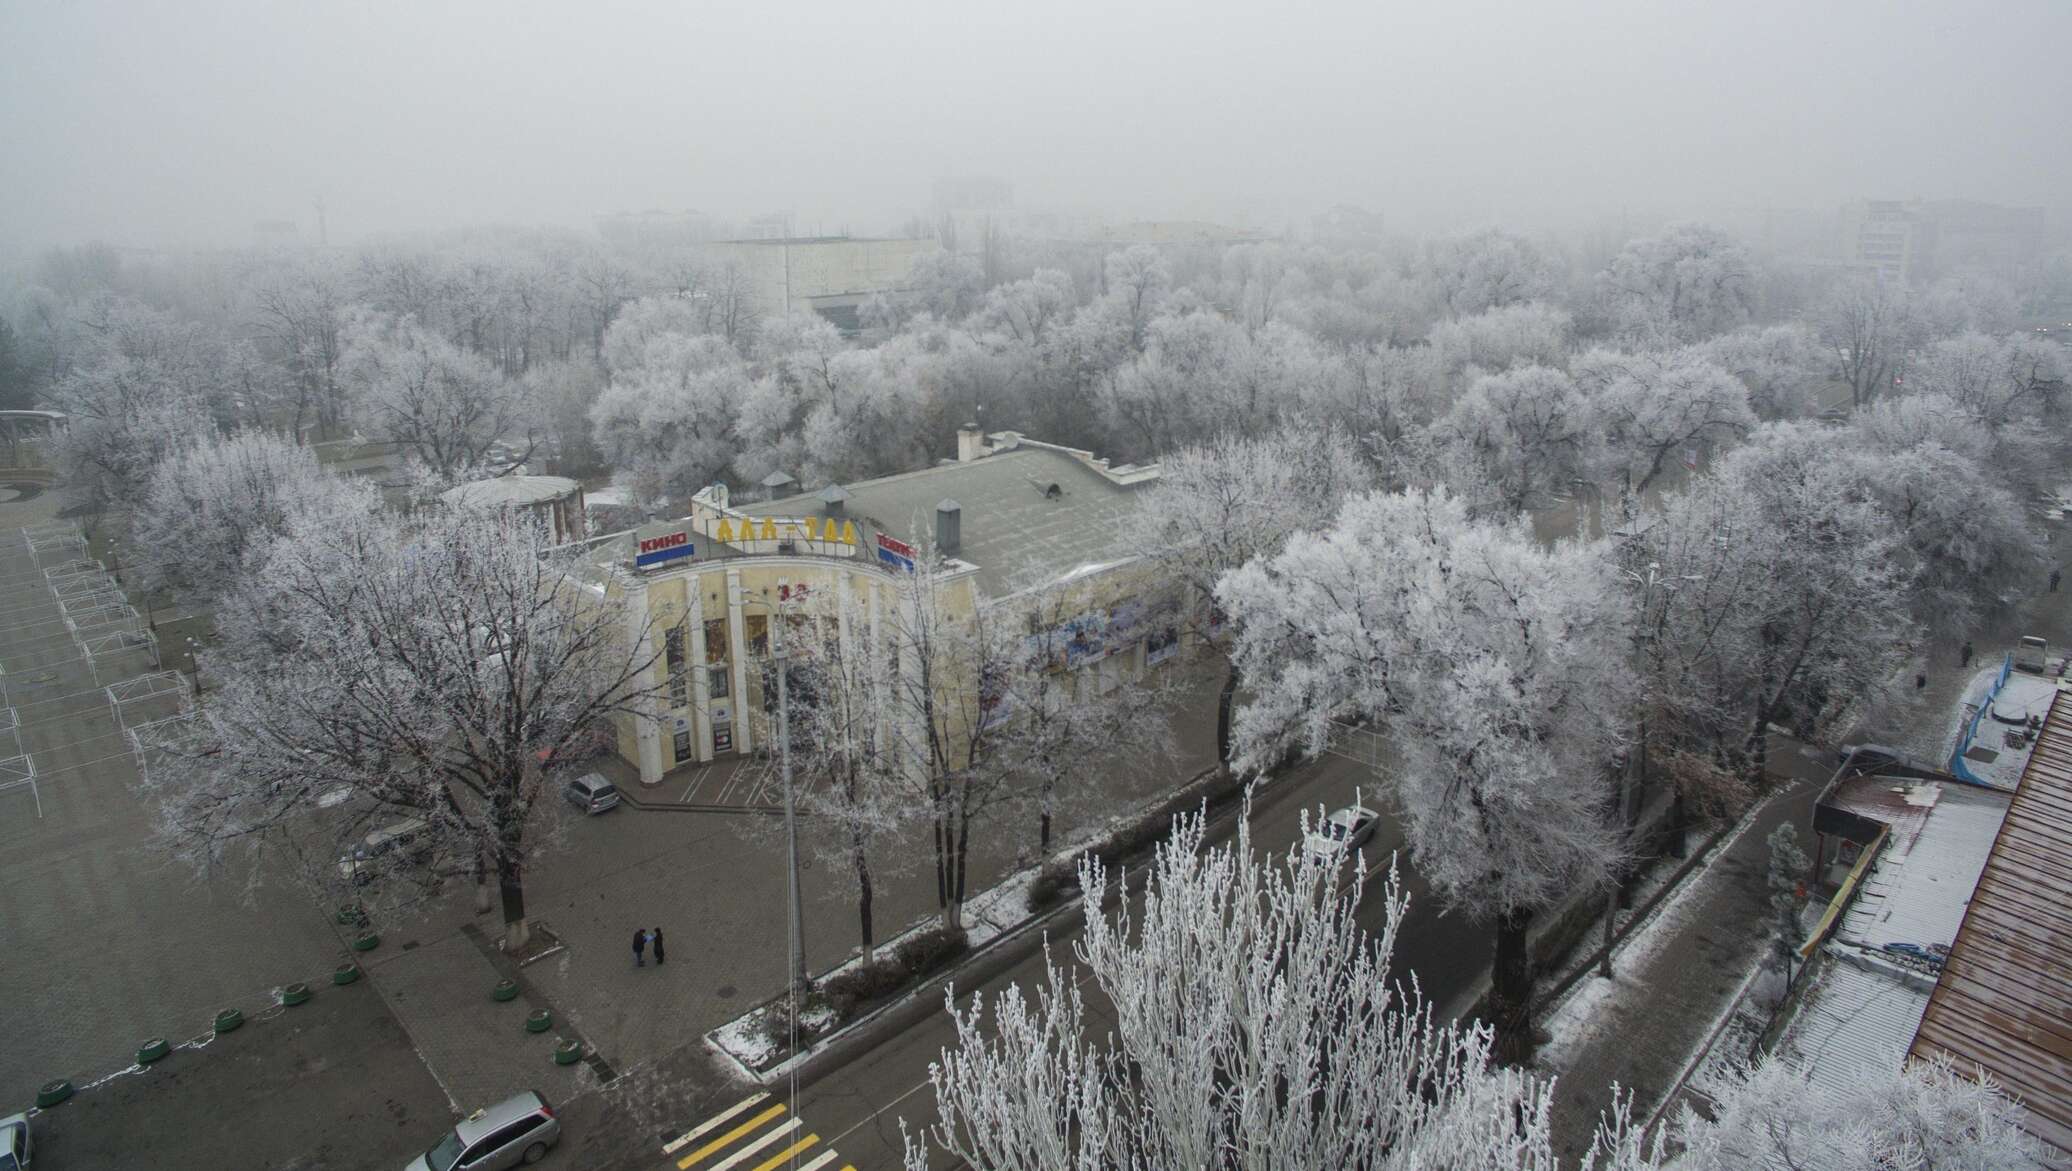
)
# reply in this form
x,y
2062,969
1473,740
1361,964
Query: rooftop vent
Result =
x,y
833,498
949,526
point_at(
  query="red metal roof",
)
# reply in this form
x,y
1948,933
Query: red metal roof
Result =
x,y
2004,1000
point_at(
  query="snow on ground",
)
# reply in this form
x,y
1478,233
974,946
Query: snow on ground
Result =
x,y
2024,696
1591,1007
745,1040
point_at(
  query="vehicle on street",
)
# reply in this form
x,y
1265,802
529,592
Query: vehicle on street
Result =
x,y
1343,832
362,864
519,1129
591,793
14,1142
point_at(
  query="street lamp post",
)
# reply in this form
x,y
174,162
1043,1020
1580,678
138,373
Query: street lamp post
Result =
x,y
781,655
799,983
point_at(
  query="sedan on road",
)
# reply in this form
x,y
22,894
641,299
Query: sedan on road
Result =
x,y
1343,832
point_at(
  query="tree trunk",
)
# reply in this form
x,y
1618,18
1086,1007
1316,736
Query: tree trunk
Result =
x,y
1226,700
510,883
863,904
481,884
960,856
1043,833
1510,990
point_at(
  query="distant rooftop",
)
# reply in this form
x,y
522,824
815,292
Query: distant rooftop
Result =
x,y
504,490
1029,513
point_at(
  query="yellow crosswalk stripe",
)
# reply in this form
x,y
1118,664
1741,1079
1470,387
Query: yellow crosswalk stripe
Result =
x,y
749,1152
676,1144
697,1156
781,1156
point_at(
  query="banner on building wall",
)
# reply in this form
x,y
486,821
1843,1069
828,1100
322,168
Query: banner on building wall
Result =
x,y
995,700
1163,644
1126,622
896,553
1085,639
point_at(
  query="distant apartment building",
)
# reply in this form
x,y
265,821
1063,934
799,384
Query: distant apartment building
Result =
x,y
829,275
1918,240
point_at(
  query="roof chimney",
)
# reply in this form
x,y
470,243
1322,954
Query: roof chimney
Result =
x,y
832,499
949,525
971,443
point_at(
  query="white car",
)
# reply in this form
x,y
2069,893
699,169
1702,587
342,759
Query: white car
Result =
x,y
1343,832
14,1142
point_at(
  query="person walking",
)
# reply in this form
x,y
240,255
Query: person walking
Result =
x,y
1964,655
639,944
656,936
2056,575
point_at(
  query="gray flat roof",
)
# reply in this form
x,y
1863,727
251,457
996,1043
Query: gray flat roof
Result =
x,y
1012,528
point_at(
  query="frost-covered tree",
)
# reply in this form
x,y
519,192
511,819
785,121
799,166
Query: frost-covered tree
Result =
x,y
1492,663
1257,1026
665,421
429,667
448,408
297,305
215,504
1528,334
1783,366
1648,408
1688,283
1926,1115
1220,505
1999,380
1869,326
1513,438
1488,270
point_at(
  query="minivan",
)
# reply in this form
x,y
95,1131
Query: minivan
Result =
x,y
358,865
516,1130
591,793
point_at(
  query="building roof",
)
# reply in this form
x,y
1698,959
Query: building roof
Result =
x,y
506,490
1863,1012
1013,527
2004,1000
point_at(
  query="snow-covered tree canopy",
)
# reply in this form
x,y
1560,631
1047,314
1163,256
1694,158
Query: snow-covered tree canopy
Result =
x,y
1688,283
218,502
431,667
446,406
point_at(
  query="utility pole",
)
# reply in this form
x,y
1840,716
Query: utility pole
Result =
x,y
800,985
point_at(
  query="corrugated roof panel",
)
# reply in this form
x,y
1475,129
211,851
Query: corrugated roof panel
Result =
x,y
2004,1001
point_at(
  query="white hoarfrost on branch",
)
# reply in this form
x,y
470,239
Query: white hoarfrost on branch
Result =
x,y
450,409
1494,666
437,668
213,505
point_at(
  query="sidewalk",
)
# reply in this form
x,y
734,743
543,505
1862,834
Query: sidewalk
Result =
x,y
1673,979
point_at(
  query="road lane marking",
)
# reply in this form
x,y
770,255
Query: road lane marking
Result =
x,y
685,1163
712,1123
778,1159
748,1152
697,778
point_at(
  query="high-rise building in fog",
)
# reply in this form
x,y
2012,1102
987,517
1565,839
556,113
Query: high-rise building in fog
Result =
x,y
1919,240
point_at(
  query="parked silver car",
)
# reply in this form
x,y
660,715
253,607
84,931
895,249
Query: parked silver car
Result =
x,y
517,1130
591,793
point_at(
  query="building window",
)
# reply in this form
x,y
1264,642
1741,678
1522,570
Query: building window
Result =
x,y
683,745
679,689
756,628
715,640
672,648
716,682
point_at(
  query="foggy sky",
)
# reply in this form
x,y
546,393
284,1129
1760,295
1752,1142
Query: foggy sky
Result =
x,y
182,123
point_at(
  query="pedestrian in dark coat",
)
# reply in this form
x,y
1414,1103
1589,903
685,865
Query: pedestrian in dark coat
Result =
x,y
656,936
2056,575
1965,660
639,943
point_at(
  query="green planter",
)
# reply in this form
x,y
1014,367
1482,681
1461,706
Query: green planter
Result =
x,y
51,1093
368,941
568,1052
353,914
152,1050
345,974
504,990
540,1021
229,1021
295,994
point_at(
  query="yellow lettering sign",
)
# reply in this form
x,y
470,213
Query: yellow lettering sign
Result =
x,y
725,531
769,532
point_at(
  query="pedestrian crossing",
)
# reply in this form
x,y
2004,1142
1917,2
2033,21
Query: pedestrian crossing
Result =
x,y
754,1134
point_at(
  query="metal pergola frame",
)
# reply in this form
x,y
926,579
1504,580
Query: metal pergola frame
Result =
x,y
143,689
17,772
71,543
102,618
82,583
174,733
84,603
93,645
73,568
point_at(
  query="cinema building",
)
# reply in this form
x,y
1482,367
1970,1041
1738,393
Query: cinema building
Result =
x,y
1012,518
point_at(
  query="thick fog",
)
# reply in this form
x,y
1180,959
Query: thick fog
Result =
x,y
183,124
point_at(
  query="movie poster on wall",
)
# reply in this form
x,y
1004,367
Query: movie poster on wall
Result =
x,y
1085,639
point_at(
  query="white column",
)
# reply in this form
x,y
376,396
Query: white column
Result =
x,y
647,727
744,735
701,701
